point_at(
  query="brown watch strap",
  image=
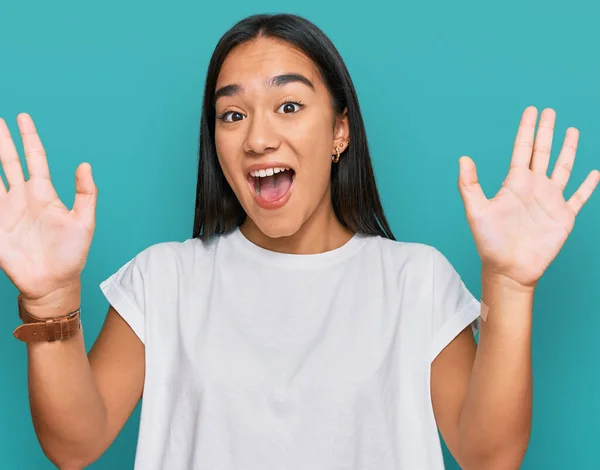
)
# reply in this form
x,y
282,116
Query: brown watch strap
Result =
x,y
36,329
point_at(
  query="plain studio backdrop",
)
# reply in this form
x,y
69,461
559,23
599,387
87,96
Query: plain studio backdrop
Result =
x,y
119,84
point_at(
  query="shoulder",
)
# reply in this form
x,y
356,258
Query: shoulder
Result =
x,y
419,260
403,253
179,254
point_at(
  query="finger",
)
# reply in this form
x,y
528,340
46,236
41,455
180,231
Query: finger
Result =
x,y
11,164
468,185
86,195
566,158
35,154
523,146
542,147
583,193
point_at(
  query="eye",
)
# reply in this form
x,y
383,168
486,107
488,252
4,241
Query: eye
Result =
x,y
231,116
290,107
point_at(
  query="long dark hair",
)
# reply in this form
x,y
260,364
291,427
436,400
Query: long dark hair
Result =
x,y
354,193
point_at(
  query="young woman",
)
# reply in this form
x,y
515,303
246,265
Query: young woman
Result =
x,y
291,331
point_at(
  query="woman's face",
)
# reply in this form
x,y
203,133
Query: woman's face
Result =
x,y
275,134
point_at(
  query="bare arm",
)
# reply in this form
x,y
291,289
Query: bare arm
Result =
x,y
518,233
80,402
482,397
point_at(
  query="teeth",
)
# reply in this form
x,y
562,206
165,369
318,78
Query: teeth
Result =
x,y
267,172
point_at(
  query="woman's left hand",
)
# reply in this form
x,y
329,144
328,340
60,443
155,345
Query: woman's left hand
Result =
x,y
519,232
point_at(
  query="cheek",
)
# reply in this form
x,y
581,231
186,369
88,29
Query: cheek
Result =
x,y
314,145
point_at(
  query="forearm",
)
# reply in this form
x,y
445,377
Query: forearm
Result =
x,y
68,413
495,422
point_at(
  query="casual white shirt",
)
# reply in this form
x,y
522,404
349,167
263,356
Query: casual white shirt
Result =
x,y
258,360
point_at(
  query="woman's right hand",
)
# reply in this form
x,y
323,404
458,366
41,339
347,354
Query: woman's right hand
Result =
x,y
43,244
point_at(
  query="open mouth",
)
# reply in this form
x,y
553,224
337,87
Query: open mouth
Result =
x,y
271,185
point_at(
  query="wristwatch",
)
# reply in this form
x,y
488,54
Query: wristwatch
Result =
x,y
46,329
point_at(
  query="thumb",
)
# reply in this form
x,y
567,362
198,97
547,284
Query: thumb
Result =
x,y
86,195
468,185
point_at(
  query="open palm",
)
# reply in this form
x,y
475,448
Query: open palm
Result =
x,y
519,232
43,245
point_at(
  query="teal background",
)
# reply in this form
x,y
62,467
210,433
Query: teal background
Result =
x,y
120,84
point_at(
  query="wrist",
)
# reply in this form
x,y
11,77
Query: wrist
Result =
x,y
57,303
508,304
496,280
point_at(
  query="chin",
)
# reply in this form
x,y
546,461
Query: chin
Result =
x,y
277,227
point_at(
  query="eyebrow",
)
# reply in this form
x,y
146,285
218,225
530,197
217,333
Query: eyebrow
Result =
x,y
278,81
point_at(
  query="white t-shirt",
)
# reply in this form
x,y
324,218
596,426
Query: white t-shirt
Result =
x,y
257,360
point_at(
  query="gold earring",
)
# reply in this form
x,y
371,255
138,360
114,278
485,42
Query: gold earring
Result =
x,y
336,158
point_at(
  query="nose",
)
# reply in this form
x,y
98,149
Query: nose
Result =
x,y
262,136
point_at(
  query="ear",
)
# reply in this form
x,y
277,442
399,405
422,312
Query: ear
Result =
x,y
341,132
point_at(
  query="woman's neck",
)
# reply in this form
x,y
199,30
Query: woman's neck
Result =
x,y
320,233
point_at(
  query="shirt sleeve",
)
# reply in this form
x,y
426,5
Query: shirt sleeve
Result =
x,y
454,307
126,290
